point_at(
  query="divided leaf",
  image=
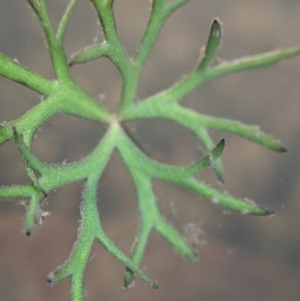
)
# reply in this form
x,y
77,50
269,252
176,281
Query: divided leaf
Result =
x,y
63,95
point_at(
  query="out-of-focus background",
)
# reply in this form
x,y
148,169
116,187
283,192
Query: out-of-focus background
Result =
x,y
241,257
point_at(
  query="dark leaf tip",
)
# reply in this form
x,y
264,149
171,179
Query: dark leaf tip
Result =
x,y
14,129
217,151
282,149
216,28
269,212
50,279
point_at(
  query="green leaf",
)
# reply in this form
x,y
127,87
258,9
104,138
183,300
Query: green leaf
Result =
x,y
64,96
212,46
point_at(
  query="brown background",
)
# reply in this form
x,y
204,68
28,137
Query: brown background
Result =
x,y
242,258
